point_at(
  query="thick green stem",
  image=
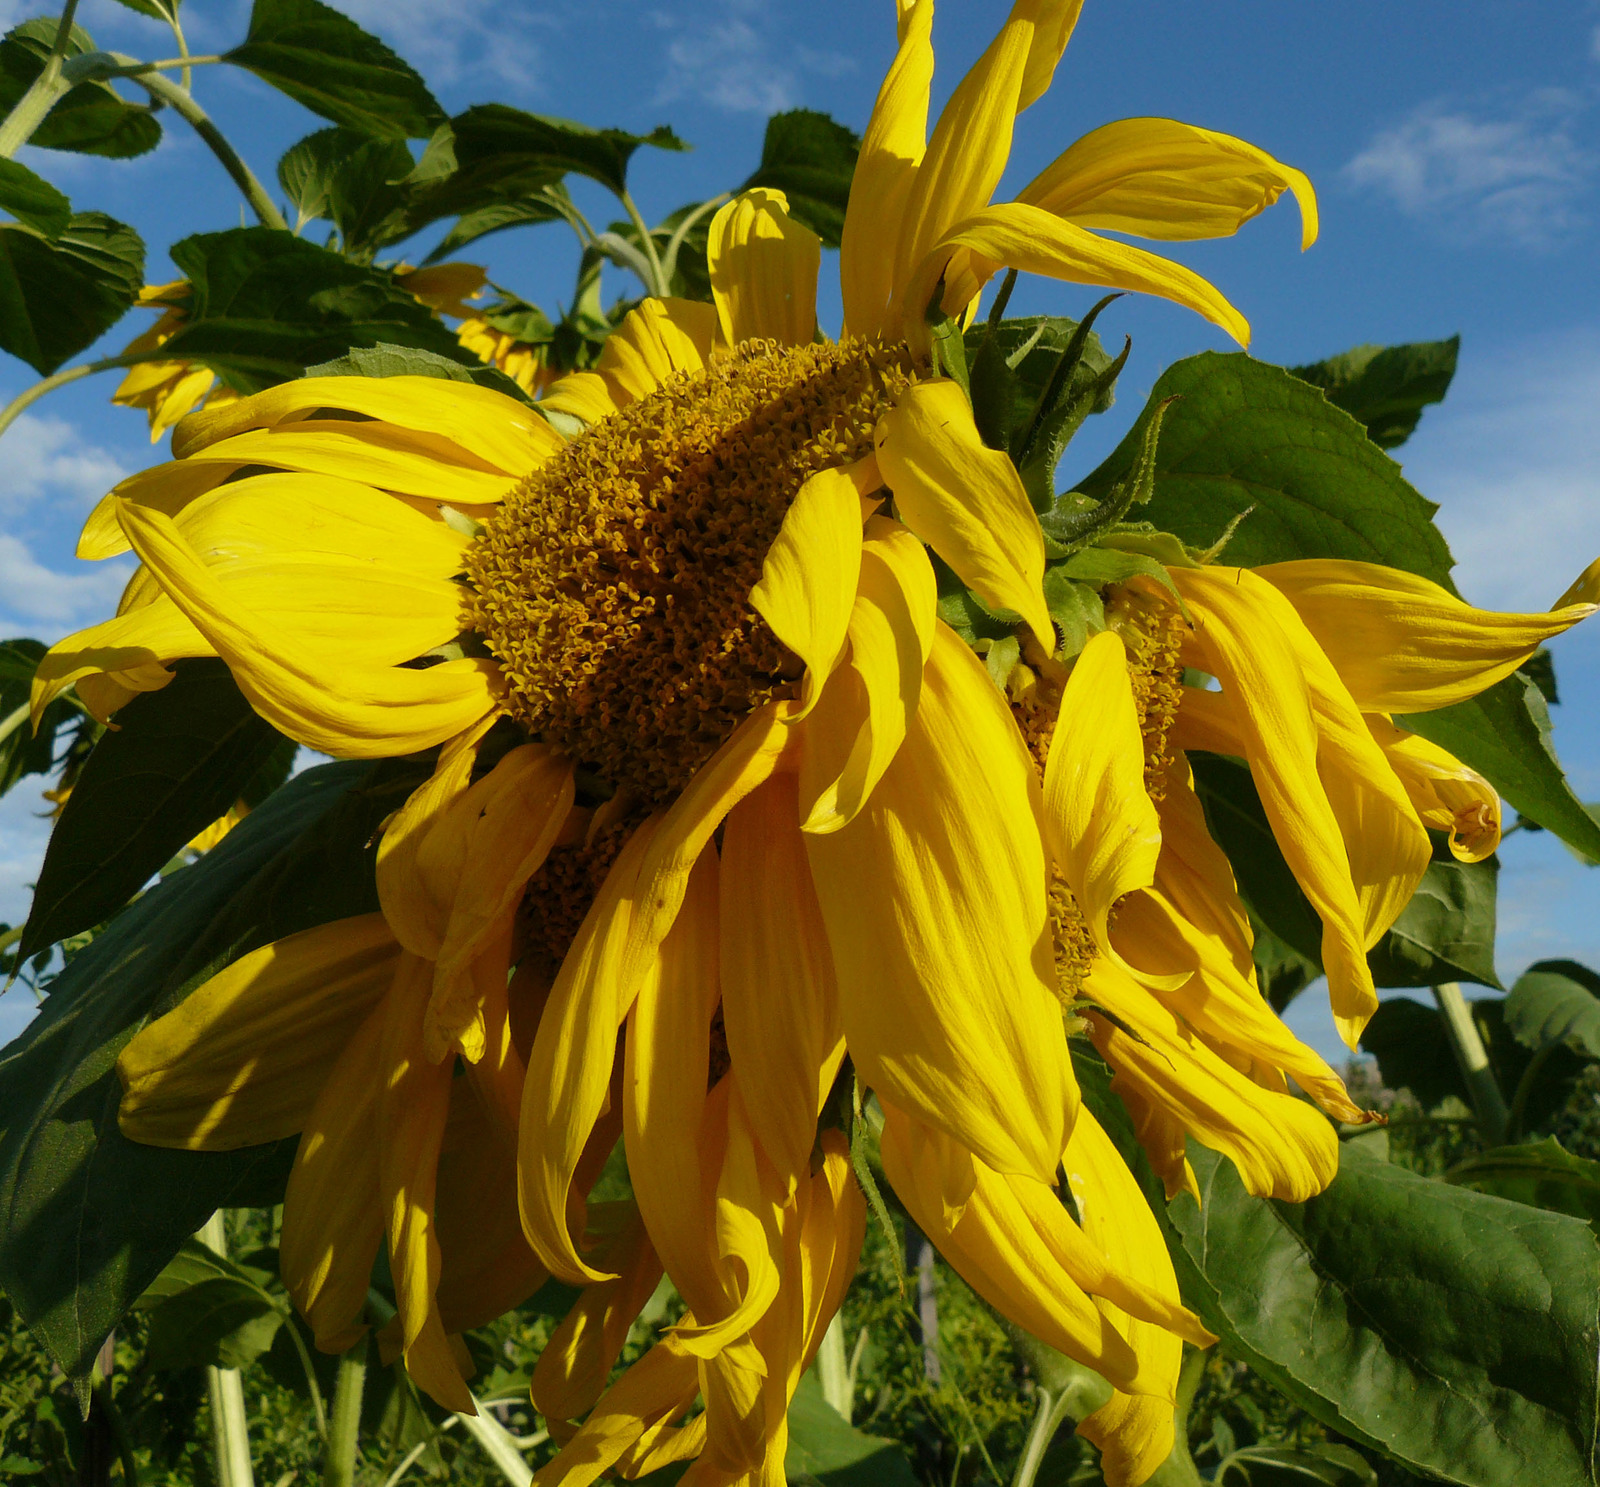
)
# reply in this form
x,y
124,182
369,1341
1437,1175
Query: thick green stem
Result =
x,y
1053,1409
230,1433
648,242
344,1426
166,64
1487,1100
168,92
19,125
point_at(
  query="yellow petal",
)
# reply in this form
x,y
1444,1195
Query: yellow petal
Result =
x,y
1033,241
1100,823
168,488
333,1214
934,903
1052,31
664,1093
1403,644
964,500
151,635
416,914
763,270
413,1106
486,427
995,1248
240,1060
510,818
780,1001
808,578
891,148
1134,1434
1282,1147
1446,793
583,395
354,712
1157,178
850,743
659,339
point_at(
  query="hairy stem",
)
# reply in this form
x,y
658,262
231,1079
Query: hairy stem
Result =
x,y
19,125
344,1428
230,1434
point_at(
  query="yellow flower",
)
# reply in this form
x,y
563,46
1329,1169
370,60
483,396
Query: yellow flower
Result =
x,y
715,779
167,390
523,364
445,288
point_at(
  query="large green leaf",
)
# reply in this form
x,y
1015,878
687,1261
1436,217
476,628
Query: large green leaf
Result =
x,y
32,200
87,1218
89,119
176,761
1542,1174
810,157
1249,436
266,305
824,1445
1556,1001
323,60
528,211
1385,388
352,179
205,1310
58,296
1453,1332
1504,734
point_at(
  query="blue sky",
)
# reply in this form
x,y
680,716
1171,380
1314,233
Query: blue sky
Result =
x,y
1455,147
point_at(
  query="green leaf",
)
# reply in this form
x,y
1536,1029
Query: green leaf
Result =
x,y
32,200
384,360
1556,1001
56,297
811,158
176,761
88,1218
23,751
1249,435
1385,388
1504,734
1542,1174
822,1444
326,62
352,179
529,211
1293,1466
89,119
155,9
220,1323
1076,608
516,152
267,305
1454,1333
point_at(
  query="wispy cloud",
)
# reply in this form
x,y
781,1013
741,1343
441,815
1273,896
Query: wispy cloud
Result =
x,y
46,458
1518,173
459,41
36,597
732,61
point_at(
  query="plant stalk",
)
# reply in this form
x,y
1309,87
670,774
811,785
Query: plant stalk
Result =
x,y
1487,1100
19,125
499,1445
659,288
30,395
1053,1409
344,1426
230,1433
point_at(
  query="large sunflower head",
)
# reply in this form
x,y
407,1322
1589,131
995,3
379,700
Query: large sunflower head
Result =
x,y
716,800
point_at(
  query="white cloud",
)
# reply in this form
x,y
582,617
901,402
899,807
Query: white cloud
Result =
x,y
464,39
33,597
46,457
732,63
1513,458
1519,175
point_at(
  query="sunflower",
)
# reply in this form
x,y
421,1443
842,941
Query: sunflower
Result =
x,y
167,390
716,800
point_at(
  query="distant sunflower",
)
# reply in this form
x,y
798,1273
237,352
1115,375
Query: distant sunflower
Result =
x,y
167,390
719,799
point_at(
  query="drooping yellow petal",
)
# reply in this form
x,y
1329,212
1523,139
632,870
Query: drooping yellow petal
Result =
x,y
487,427
851,743
241,1059
1401,643
934,902
583,395
416,914
654,342
1446,793
780,1000
964,500
995,1248
168,488
511,818
413,1106
1282,1147
763,270
333,1215
1052,31
891,148
1100,824
149,636
667,1054
1157,178
808,578
354,712
1033,241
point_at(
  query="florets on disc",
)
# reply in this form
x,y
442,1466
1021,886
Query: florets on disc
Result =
x,y
613,584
